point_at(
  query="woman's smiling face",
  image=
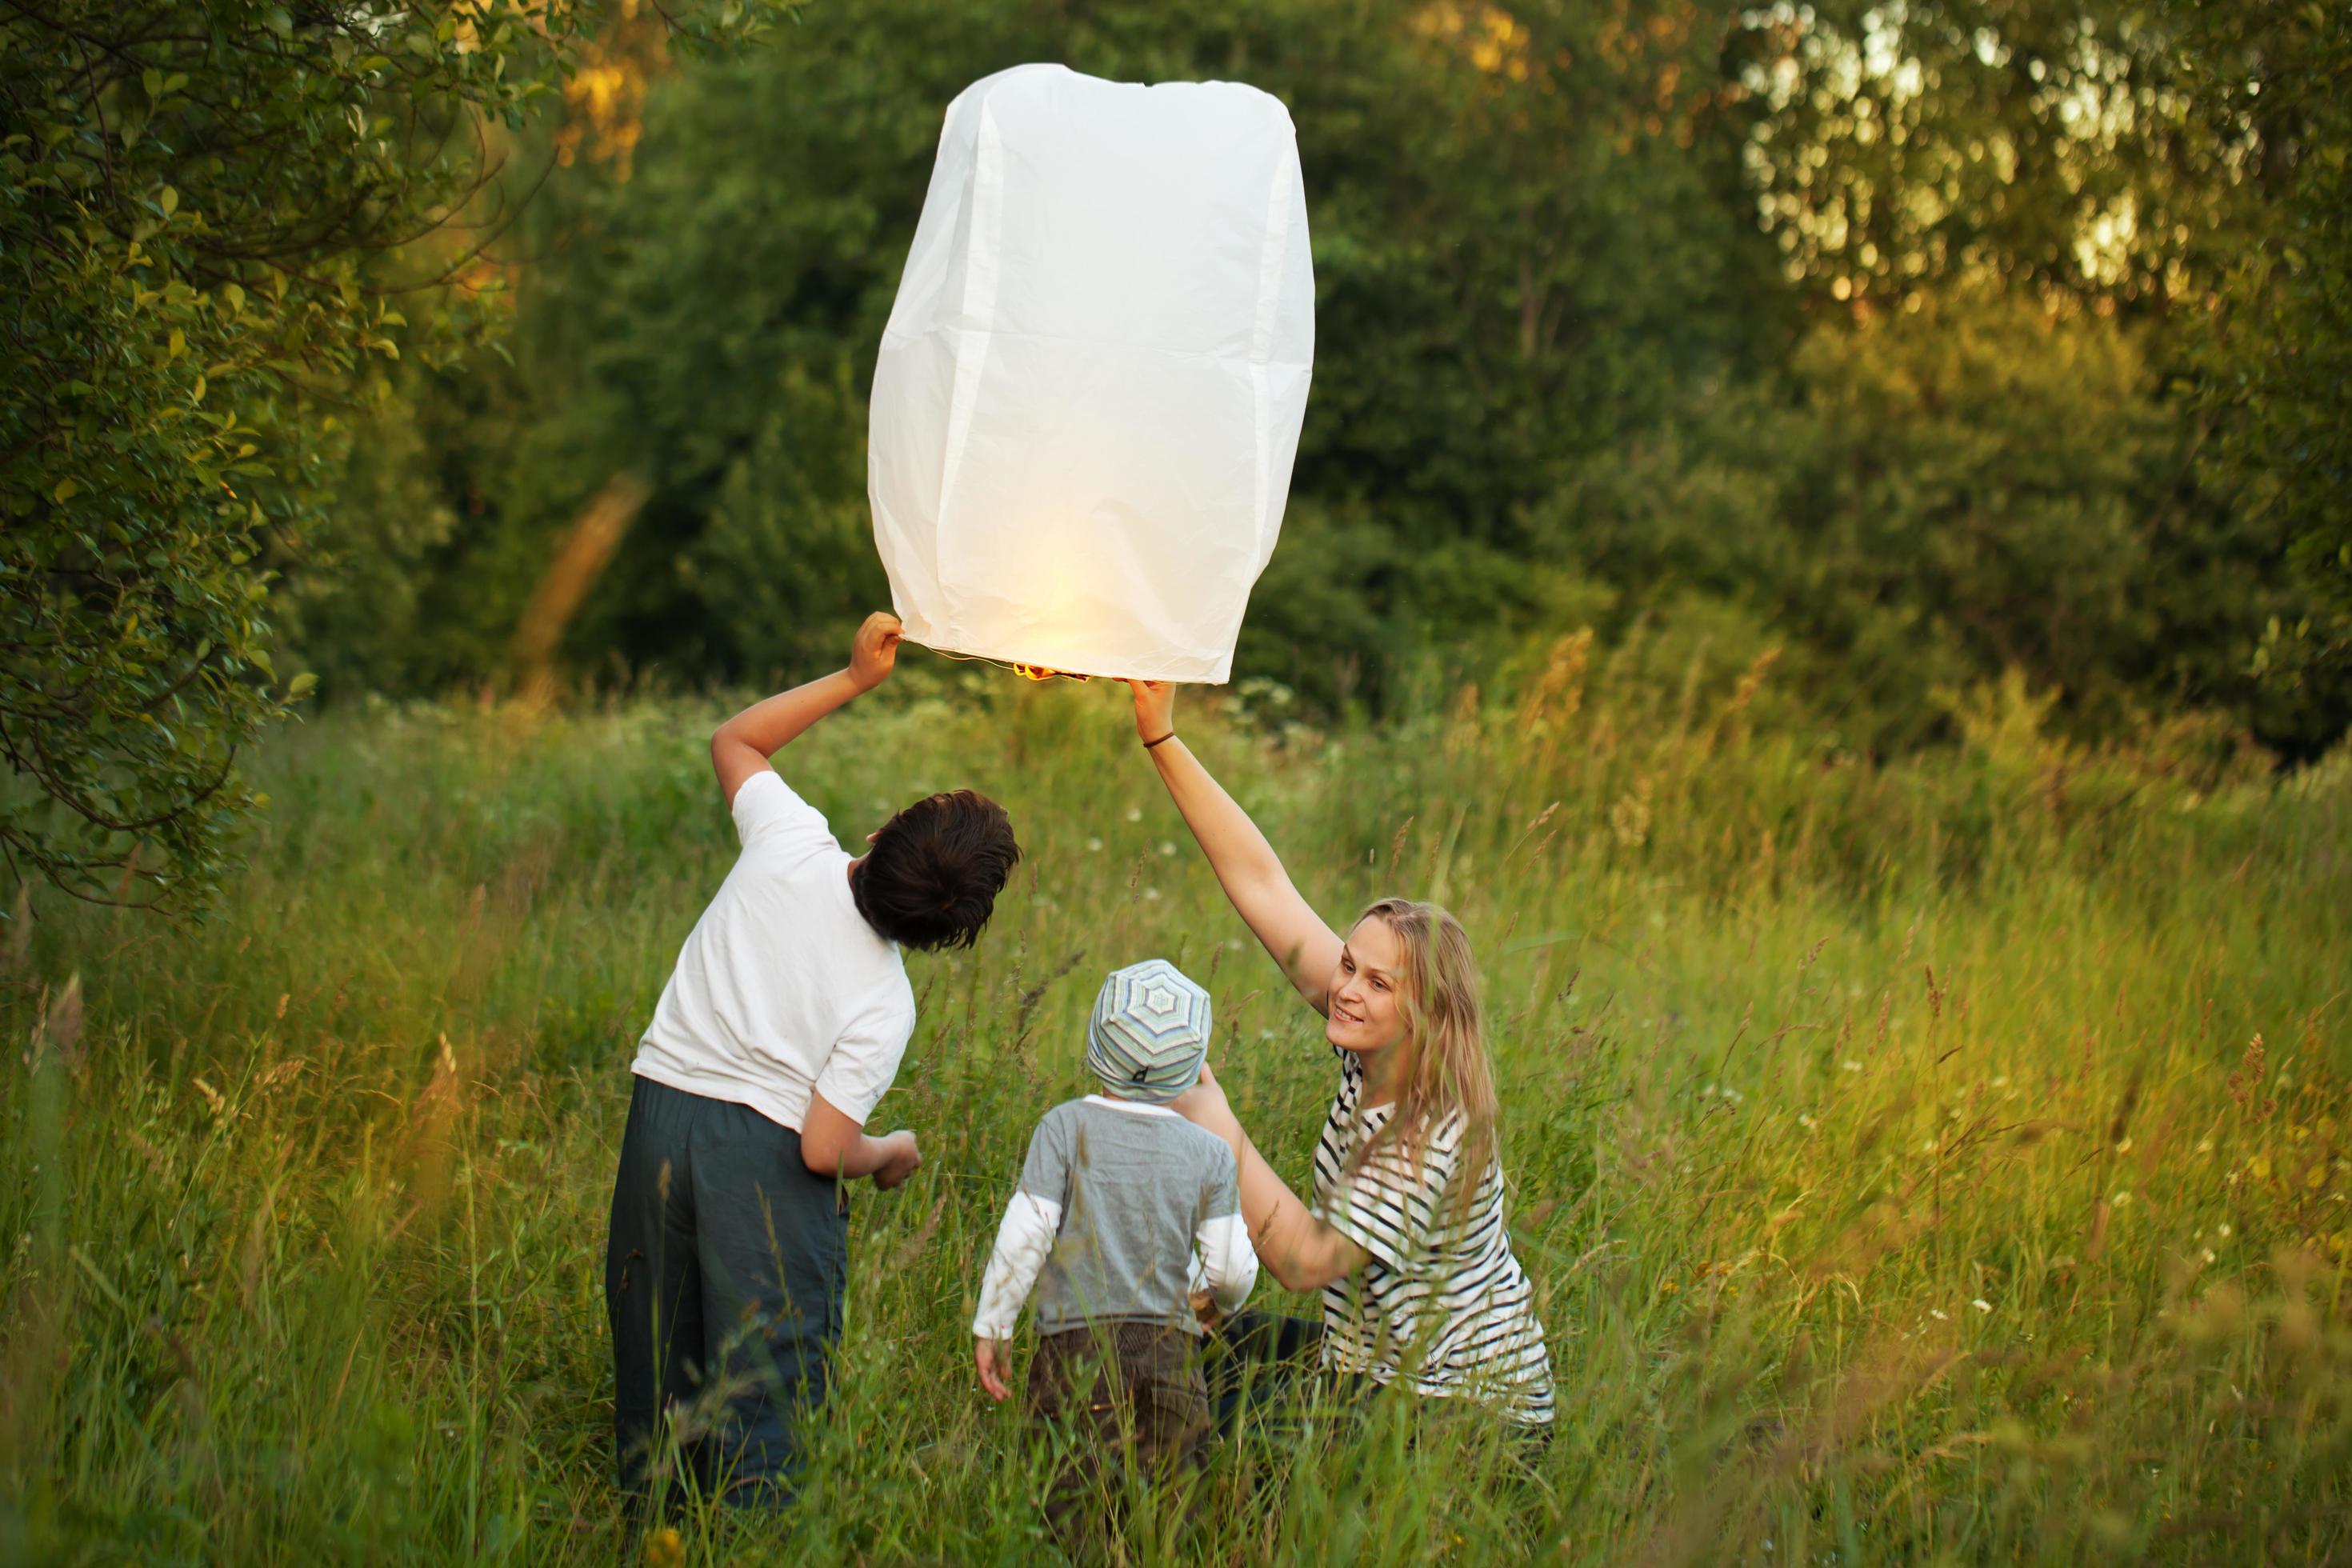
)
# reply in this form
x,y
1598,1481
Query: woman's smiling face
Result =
x,y
1367,990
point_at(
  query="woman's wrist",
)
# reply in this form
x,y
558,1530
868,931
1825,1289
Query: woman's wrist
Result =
x,y
1162,739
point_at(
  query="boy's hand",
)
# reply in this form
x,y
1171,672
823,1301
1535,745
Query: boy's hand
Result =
x,y
1155,708
904,1161
993,1358
875,653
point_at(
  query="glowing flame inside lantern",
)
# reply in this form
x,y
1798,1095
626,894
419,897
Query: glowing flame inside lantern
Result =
x,y
1039,672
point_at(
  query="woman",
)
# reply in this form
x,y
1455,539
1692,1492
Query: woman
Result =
x,y
1406,1238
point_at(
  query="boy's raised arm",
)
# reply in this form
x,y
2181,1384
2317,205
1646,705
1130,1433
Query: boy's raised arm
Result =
x,y
742,746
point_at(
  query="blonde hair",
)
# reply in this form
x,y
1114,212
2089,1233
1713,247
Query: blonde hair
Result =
x,y
1447,1071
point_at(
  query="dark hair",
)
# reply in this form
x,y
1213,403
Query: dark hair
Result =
x,y
932,877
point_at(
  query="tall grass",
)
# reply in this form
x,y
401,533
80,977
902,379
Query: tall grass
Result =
x,y
1937,1161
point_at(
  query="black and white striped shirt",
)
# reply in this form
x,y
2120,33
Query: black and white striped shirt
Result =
x,y
1443,1306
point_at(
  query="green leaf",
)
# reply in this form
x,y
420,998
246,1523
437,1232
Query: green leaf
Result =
x,y
168,198
67,489
300,686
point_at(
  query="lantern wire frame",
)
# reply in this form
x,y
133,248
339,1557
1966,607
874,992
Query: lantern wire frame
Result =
x,y
1037,672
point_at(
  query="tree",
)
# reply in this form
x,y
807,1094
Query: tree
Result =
x,y
2276,374
214,217
1525,249
1856,329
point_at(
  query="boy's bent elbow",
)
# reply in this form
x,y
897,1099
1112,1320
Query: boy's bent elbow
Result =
x,y
820,1154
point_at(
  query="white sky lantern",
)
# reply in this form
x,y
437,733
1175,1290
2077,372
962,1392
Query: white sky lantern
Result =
x,y
1089,392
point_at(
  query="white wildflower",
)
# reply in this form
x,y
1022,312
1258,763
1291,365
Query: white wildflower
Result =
x,y
1093,846
1981,1305
1135,814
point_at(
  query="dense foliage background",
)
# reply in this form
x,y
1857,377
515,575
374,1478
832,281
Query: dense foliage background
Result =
x,y
1936,345
1890,335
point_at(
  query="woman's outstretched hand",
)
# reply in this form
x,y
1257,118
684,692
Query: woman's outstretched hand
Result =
x,y
1155,708
1204,1105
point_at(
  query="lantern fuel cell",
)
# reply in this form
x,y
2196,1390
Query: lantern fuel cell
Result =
x,y
1089,396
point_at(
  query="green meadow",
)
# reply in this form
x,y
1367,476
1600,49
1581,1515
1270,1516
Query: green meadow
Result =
x,y
1943,1160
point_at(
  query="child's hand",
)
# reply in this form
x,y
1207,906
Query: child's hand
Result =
x,y
905,1160
875,654
993,1358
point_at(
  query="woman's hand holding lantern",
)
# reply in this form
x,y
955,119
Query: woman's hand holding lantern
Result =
x,y
1155,709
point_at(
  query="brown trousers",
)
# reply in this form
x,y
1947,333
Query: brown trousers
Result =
x,y
1129,1391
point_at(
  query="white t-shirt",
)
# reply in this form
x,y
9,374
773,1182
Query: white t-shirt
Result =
x,y
782,987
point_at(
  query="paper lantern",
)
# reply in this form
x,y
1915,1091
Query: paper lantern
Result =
x,y
1089,392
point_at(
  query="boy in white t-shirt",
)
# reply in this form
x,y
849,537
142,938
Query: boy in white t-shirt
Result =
x,y
778,1031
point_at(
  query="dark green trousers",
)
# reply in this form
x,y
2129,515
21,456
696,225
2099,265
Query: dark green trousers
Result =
x,y
724,1272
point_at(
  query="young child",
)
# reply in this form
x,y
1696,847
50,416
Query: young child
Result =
x,y
778,1033
1116,1197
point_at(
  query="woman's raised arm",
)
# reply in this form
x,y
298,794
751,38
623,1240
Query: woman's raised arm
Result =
x,y
1245,864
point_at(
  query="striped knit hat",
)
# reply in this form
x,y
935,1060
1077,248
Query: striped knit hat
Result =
x,y
1150,1030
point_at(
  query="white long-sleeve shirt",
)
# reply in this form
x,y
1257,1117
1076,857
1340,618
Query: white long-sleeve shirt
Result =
x,y
1123,1210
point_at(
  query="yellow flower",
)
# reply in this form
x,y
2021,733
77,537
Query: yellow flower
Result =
x,y
663,1549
